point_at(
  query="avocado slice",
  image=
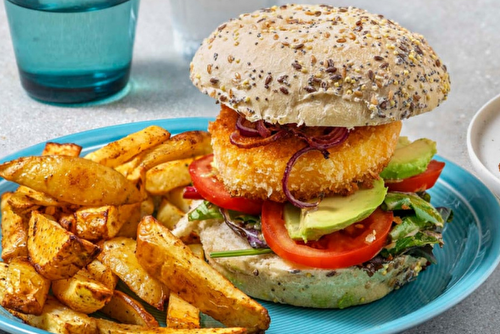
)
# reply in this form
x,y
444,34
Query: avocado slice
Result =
x,y
409,159
402,142
333,213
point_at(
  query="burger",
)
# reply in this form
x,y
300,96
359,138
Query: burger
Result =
x,y
311,197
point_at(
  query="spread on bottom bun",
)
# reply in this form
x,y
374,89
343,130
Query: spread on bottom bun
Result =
x,y
311,197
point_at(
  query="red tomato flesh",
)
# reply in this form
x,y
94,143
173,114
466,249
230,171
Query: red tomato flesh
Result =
x,y
420,182
341,249
211,189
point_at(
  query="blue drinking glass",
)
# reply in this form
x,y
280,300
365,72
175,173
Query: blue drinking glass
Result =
x,y
73,51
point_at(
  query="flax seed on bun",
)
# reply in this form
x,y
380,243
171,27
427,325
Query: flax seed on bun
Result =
x,y
320,66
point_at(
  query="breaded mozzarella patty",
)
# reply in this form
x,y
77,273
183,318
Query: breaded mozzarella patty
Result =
x,y
257,172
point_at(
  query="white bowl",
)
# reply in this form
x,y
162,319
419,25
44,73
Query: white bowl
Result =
x,y
483,144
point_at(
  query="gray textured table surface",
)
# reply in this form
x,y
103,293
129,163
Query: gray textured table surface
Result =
x,y
464,33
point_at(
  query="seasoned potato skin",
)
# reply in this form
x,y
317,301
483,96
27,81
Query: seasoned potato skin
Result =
x,y
57,318
181,314
25,290
81,293
73,180
169,260
14,231
118,152
127,310
119,254
54,252
110,327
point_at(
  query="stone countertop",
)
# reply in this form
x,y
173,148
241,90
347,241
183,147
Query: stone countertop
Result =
x,y
464,34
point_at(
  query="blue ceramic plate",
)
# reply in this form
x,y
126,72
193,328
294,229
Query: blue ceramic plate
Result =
x,y
470,255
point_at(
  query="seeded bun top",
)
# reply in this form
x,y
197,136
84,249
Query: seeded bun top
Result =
x,y
320,66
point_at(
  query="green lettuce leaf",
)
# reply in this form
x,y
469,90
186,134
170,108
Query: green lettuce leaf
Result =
x,y
395,201
204,211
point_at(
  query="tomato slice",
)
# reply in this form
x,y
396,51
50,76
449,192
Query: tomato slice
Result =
x,y
418,182
214,191
341,249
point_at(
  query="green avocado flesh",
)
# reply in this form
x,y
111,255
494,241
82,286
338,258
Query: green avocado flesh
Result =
x,y
333,213
402,142
409,159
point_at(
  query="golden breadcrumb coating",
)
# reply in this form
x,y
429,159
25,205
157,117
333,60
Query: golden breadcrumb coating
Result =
x,y
257,172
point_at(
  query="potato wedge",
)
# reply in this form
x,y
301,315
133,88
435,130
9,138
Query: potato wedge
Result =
x,y
122,150
181,314
68,149
39,198
127,310
4,269
14,230
187,144
128,167
54,252
175,196
110,327
119,255
130,215
167,176
57,318
197,250
101,273
68,222
148,206
81,293
21,204
98,223
25,289
165,257
168,214
73,180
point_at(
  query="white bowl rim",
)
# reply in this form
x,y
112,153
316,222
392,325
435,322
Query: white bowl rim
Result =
x,y
490,180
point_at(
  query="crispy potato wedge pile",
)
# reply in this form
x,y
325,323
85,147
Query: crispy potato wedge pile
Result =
x,y
77,226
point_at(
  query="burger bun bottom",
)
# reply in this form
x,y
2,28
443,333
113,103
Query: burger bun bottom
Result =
x,y
268,277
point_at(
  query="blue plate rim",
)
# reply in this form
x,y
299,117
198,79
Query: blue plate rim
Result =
x,y
470,281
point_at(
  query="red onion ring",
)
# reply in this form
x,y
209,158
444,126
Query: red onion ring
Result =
x,y
245,130
286,175
262,129
333,136
235,137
